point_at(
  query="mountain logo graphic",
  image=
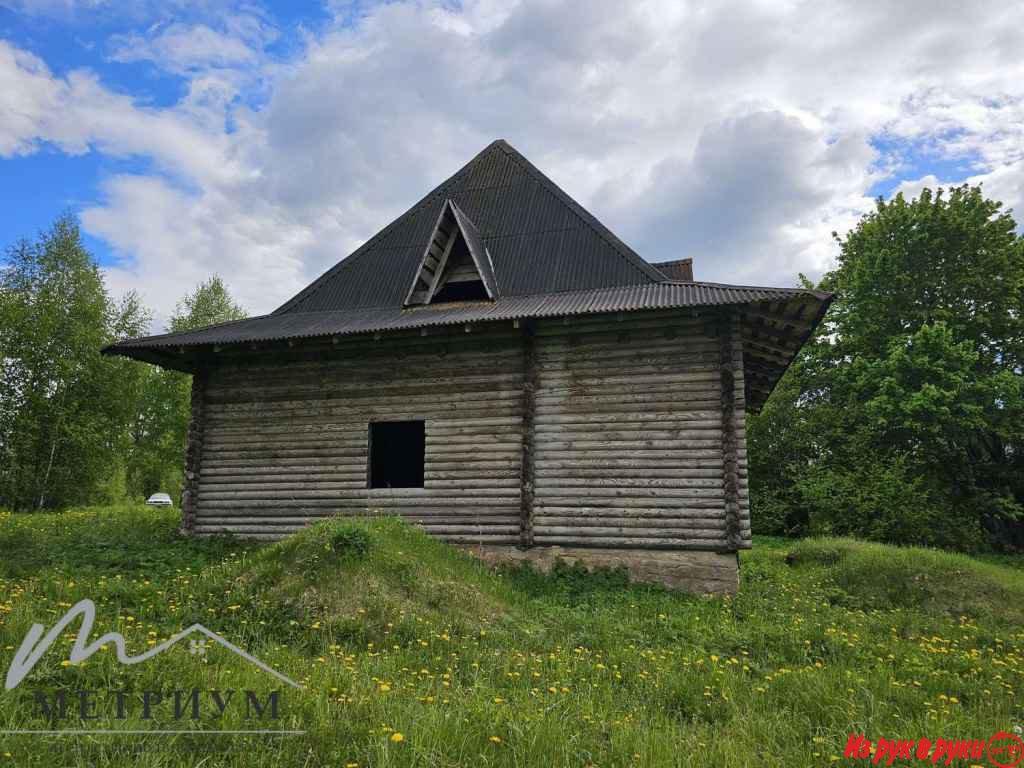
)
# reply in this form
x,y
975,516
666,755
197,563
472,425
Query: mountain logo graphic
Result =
x,y
35,645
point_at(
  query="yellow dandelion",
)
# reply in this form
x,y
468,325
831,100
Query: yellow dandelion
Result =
x,y
397,737
496,739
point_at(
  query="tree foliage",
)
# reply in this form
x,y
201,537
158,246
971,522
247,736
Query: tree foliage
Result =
x,y
159,430
904,419
77,427
63,407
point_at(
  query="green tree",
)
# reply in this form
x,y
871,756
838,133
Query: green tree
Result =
x,y
904,420
64,409
156,459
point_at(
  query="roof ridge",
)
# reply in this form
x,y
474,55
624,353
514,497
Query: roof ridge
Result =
x,y
311,289
591,221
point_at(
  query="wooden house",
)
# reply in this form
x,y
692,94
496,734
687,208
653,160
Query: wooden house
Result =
x,y
499,368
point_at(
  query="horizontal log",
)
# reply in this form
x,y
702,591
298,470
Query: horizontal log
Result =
x,y
441,501
468,483
634,542
572,434
633,475
360,414
649,521
700,378
622,446
696,459
590,325
592,491
370,356
642,482
597,506
485,436
619,404
315,513
325,453
603,457
278,532
383,378
209,495
490,448
671,416
208,487
297,472
691,533
621,346
432,400
648,397
575,515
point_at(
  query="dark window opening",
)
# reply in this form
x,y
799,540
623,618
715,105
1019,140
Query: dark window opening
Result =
x,y
473,290
396,454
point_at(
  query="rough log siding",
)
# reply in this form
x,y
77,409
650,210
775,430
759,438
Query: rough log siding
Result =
x,y
286,444
731,368
193,453
622,417
528,475
740,419
628,438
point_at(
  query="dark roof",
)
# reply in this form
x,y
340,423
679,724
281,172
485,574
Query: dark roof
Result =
x,y
540,241
680,270
539,253
297,325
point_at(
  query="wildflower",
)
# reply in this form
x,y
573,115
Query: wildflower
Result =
x,y
397,737
496,739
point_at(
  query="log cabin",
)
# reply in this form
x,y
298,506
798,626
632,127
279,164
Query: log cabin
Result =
x,y
497,367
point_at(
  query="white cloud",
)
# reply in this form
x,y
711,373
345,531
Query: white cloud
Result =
x,y
738,133
189,48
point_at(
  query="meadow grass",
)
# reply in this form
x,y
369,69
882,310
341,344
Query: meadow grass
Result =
x,y
412,653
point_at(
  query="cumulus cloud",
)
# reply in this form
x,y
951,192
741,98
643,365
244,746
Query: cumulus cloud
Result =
x,y
740,133
184,48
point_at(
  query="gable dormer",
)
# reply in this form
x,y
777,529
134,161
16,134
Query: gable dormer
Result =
x,y
456,265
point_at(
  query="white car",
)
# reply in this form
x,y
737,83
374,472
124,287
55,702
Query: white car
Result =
x,y
159,500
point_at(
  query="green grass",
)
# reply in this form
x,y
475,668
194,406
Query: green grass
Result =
x,y
393,633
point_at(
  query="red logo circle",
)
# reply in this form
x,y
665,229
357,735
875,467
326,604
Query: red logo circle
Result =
x,y
1005,750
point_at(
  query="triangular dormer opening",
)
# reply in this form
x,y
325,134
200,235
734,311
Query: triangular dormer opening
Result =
x,y
455,265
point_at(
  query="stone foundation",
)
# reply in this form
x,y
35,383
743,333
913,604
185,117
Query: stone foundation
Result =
x,y
698,572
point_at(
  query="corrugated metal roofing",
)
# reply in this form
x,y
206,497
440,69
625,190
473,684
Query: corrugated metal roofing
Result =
x,y
540,241
297,325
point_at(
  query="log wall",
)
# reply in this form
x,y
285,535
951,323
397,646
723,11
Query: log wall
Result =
x,y
618,423
286,444
629,434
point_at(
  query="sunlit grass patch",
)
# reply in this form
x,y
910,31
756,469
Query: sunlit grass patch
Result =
x,y
413,653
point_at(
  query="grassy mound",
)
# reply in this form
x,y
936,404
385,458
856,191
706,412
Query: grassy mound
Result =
x,y
411,653
877,576
377,580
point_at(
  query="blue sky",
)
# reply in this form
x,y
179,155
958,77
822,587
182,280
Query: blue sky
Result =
x,y
265,141
41,185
